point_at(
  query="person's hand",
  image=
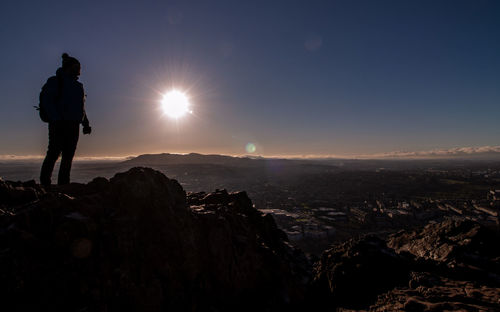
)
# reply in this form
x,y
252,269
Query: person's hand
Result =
x,y
87,129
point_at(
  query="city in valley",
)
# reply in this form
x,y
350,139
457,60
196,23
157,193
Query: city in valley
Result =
x,y
325,201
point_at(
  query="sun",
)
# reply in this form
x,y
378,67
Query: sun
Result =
x,y
175,104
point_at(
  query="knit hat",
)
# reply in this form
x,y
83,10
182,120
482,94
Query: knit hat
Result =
x,y
68,61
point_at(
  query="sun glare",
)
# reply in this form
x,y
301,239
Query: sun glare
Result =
x,y
175,104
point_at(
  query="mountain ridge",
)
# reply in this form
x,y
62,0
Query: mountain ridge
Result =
x,y
196,158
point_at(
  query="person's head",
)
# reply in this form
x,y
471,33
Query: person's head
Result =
x,y
70,65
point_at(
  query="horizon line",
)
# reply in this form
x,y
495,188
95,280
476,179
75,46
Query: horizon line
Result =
x,y
451,153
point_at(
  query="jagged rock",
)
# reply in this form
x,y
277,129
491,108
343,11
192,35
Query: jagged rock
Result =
x,y
452,265
352,274
459,269
18,193
138,243
437,293
464,247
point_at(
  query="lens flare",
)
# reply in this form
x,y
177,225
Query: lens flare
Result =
x,y
250,148
175,104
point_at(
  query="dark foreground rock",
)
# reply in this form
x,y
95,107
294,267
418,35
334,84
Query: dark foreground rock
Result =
x,y
352,274
138,243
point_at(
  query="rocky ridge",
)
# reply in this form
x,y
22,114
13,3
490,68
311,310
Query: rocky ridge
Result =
x,y
138,242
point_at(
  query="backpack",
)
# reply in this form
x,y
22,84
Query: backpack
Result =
x,y
42,106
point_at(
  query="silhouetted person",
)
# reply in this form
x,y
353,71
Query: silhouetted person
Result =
x,y
63,97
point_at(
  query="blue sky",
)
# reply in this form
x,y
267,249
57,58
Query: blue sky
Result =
x,y
291,77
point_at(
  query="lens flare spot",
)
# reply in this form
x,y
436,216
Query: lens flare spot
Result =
x,y
250,148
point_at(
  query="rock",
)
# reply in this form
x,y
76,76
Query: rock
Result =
x,y
138,243
467,249
352,274
14,194
458,263
452,265
440,294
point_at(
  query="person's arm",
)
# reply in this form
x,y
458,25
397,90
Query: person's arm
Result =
x,y
85,121
87,129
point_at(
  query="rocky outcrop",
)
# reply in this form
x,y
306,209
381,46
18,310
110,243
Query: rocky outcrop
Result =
x,y
352,274
435,292
457,246
451,265
138,243
456,267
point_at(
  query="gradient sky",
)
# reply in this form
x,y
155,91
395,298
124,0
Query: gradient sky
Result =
x,y
292,77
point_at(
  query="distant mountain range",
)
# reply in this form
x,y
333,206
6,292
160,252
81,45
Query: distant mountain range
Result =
x,y
199,159
491,153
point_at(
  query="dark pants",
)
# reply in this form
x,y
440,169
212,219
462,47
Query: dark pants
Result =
x,y
63,137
